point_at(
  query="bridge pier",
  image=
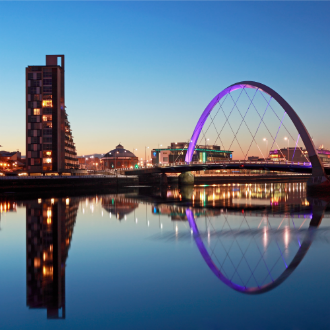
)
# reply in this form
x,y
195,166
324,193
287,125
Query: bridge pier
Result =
x,y
153,179
186,178
319,182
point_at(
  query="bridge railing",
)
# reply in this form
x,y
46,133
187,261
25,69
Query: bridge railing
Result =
x,y
224,163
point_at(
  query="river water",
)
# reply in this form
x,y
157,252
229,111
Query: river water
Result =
x,y
235,256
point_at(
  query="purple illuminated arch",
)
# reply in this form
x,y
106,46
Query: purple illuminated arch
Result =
x,y
317,166
305,245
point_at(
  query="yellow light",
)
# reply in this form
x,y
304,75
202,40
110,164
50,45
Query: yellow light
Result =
x,y
49,212
44,256
67,201
36,262
39,201
52,200
47,103
49,221
36,112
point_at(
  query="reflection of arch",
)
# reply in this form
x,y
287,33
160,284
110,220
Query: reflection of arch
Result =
x,y
318,169
318,212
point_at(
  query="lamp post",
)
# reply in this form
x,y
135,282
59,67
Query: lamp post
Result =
x,y
133,153
288,147
266,147
159,151
145,156
205,149
116,162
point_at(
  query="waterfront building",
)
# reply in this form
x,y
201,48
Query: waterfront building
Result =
x,y
176,153
49,140
119,158
10,161
298,155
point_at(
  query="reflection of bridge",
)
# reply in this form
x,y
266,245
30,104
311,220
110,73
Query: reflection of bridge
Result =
x,y
318,213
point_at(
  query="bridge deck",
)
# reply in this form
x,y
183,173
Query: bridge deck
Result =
x,y
268,166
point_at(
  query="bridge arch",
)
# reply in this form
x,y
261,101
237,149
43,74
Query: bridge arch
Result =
x,y
317,166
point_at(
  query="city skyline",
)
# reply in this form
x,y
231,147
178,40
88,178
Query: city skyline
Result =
x,y
139,75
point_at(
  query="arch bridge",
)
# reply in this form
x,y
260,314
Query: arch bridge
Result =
x,y
314,165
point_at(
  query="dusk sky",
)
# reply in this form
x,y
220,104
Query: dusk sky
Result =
x,y
141,73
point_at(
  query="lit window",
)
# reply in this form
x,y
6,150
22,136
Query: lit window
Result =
x,y
36,262
47,103
47,160
36,112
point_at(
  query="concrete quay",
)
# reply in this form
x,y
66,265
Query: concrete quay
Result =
x,y
46,183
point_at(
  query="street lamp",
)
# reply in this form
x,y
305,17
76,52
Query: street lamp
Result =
x,y
205,148
137,157
116,161
145,155
288,147
266,146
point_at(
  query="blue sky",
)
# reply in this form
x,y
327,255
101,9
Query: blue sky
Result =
x,y
141,73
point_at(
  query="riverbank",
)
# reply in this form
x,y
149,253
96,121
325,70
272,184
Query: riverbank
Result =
x,y
64,183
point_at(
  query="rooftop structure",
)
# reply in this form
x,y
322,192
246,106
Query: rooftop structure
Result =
x,y
119,158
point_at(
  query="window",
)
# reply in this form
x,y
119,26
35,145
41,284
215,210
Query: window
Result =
x,y
48,89
30,76
47,131
36,97
32,119
47,154
36,83
34,133
34,139
47,139
48,82
47,111
36,112
32,90
35,126
47,118
47,160
47,103
47,147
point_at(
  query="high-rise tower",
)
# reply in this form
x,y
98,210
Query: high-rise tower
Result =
x,y
49,141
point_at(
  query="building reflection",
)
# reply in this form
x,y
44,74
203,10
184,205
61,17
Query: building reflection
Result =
x,y
49,229
119,205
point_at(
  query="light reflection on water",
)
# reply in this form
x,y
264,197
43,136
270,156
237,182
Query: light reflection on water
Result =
x,y
251,237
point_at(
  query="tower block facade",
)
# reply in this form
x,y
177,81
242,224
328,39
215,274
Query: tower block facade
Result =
x,y
49,141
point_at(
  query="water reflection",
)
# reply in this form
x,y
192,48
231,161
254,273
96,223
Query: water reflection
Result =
x,y
251,236
253,283
49,230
